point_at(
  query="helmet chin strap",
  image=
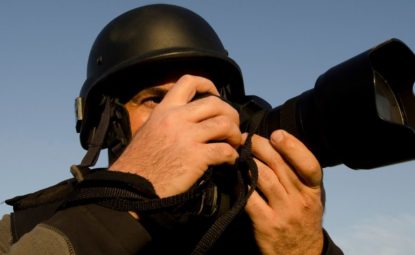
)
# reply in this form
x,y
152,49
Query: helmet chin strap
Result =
x,y
112,131
97,141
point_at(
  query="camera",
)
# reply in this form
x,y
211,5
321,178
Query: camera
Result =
x,y
360,113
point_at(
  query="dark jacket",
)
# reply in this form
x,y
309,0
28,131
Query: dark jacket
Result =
x,y
40,225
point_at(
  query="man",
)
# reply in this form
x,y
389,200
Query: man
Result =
x,y
156,96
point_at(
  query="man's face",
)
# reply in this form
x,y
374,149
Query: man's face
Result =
x,y
142,104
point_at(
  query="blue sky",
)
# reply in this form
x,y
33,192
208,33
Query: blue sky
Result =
x,y
281,47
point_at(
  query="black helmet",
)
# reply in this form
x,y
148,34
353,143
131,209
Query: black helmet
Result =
x,y
145,44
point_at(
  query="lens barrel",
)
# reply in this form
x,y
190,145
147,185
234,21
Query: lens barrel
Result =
x,y
339,119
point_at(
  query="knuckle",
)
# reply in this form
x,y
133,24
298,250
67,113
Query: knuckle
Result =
x,y
187,81
231,112
312,203
276,163
227,151
220,123
186,78
266,182
214,101
278,226
224,123
307,203
226,109
314,167
235,115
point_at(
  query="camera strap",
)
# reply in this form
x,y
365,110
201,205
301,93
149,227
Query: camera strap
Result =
x,y
100,188
247,177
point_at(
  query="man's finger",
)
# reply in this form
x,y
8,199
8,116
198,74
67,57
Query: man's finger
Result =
x,y
300,158
209,107
186,88
219,153
264,151
218,128
257,208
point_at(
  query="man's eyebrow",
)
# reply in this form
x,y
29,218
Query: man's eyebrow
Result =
x,y
151,91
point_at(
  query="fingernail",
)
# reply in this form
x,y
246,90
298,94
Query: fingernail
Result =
x,y
277,136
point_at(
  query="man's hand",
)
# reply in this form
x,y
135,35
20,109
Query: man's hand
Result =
x,y
182,138
287,216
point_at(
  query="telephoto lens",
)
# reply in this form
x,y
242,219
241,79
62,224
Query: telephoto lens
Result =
x,y
360,113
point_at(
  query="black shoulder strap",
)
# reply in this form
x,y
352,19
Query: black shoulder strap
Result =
x,y
34,208
24,221
31,209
